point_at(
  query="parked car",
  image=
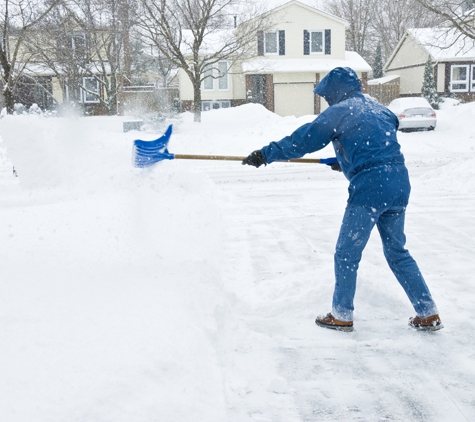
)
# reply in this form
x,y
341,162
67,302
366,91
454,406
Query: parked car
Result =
x,y
414,113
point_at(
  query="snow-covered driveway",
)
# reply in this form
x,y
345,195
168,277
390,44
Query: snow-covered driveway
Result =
x,y
281,227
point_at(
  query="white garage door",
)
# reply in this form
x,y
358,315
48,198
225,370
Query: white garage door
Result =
x,y
294,99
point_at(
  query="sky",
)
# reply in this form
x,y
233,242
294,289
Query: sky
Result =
x,y
276,3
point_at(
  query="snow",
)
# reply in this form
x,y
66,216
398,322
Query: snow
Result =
x,y
281,65
448,103
400,104
188,291
383,80
444,44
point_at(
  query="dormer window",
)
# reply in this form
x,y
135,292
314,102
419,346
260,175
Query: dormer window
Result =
x,y
317,41
271,43
72,45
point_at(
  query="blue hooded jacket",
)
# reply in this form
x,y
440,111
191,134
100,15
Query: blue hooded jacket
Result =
x,y
363,134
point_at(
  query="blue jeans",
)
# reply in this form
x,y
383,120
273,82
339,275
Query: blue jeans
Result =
x,y
358,222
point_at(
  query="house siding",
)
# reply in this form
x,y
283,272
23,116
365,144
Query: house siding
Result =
x,y
411,79
410,53
409,63
441,77
294,19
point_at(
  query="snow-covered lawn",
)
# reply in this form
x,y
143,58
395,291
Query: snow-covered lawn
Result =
x,y
187,292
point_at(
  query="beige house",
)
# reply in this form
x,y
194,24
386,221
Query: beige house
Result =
x,y
61,66
302,46
452,54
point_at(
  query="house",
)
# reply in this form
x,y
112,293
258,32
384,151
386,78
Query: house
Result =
x,y
301,47
62,66
65,65
453,56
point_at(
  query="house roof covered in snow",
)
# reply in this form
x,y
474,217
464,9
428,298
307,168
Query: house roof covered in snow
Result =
x,y
444,43
383,80
261,65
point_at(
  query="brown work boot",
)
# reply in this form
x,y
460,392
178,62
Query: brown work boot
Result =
x,y
329,321
431,323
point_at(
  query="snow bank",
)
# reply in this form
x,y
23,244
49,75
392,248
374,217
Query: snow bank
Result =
x,y
234,131
110,280
455,139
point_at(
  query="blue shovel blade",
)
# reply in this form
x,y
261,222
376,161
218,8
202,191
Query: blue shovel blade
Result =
x,y
147,153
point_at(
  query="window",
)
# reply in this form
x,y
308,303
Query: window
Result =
x,y
218,73
90,90
72,46
472,87
271,42
223,75
208,82
459,78
214,105
73,93
316,41
78,42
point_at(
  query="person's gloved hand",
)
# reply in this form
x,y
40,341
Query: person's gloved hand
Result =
x,y
255,158
332,162
335,166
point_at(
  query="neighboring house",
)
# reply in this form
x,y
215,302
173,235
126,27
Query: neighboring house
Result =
x,y
303,45
63,71
453,56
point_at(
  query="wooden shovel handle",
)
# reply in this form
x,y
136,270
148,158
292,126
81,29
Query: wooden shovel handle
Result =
x,y
235,158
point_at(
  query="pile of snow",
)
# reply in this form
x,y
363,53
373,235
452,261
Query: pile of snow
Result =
x,y
448,103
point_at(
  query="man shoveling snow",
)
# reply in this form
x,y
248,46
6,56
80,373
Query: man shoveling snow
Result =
x,y
364,136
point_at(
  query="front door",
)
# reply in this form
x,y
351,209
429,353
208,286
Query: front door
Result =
x,y
258,89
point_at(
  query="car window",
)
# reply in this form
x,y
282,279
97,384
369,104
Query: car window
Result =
x,y
418,111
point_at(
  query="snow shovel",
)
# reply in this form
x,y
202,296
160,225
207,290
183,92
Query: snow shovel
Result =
x,y
147,153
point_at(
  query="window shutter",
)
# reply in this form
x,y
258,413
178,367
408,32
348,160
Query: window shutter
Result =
x,y
306,42
260,43
328,41
281,43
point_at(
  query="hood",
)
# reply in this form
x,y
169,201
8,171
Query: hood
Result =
x,y
338,85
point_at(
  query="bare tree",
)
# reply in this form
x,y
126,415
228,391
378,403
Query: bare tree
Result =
x,y
359,14
196,34
458,14
393,18
103,24
379,21
17,19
